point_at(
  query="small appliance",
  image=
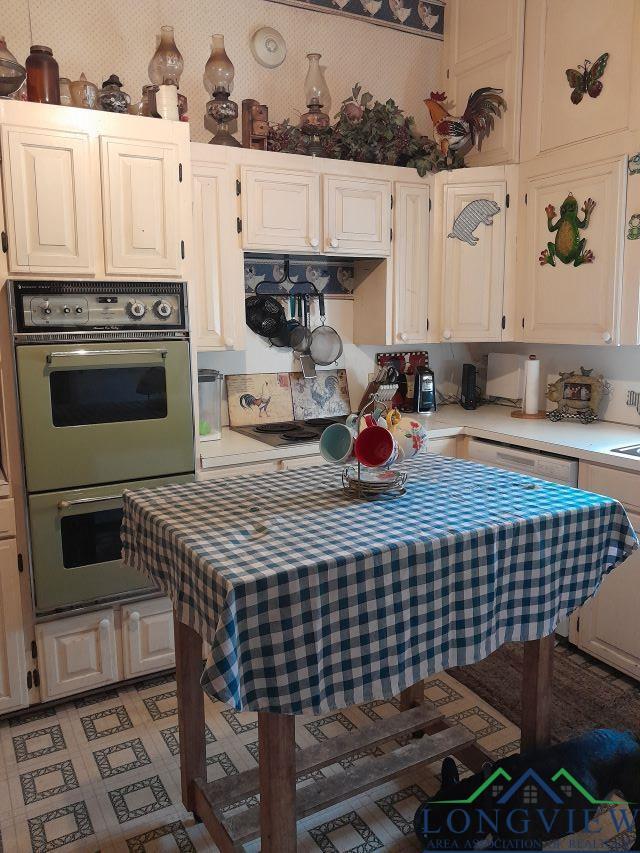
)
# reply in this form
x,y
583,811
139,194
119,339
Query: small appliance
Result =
x,y
469,393
424,391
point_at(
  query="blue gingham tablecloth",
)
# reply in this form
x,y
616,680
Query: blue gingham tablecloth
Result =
x,y
311,600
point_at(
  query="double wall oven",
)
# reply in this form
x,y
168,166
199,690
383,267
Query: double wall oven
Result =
x,y
104,384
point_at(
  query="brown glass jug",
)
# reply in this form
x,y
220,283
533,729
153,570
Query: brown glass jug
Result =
x,y
43,78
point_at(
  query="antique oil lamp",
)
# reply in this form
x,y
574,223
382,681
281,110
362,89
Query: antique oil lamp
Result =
x,y
218,80
315,123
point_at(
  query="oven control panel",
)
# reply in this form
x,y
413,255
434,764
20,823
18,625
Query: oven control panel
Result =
x,y
87,306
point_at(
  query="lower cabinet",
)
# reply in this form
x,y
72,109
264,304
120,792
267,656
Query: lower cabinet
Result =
x,y
443,446
13,665
77,654
147,637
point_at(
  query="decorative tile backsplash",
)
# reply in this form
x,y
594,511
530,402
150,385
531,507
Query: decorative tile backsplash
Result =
x,y
331,276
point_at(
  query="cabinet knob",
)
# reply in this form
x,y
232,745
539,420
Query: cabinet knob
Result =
x,y
314,242
403,336
334,243
607,337
281,465
447,334
103,627
134,618
229,342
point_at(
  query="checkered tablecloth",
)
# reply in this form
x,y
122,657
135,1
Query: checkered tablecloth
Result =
x,y
311,600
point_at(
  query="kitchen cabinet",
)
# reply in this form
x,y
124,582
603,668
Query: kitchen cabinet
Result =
x,y
560,36
13,664
473,263
76,654
140,196
607,626
411,262
484,47
357,216
217,278
147,637
280,210
443,446
48,193
564,303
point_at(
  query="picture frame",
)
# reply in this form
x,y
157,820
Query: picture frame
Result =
x,y
577,395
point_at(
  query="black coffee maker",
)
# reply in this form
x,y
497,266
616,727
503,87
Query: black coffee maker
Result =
x,y
424,390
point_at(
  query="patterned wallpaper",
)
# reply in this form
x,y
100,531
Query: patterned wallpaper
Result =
x,y
101,37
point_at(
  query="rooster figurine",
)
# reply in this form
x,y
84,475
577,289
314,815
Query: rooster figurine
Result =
x,y
460,133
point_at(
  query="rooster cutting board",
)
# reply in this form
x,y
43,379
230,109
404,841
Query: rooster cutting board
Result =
x,y
259,398
326,396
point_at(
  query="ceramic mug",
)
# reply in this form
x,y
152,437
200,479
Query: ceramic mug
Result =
x,y
375,447
411,437
336,444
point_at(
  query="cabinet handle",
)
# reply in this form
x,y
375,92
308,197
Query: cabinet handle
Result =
x,y
607,337
314,242
229,342
281,465
447,334
134,619
333,243
403,336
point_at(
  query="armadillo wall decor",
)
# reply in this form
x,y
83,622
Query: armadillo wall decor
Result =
x,y
420,17
478,211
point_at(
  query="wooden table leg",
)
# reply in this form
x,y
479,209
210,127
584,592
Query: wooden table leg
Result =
x,y
277,760
410,698
537,677
193,763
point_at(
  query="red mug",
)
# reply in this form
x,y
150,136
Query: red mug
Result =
x,y
375,447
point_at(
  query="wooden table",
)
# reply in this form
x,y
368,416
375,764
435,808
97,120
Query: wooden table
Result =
x,y
274,820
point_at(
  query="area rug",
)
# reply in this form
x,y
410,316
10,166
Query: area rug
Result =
x,y
586,694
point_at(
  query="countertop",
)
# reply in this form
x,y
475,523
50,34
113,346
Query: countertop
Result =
x,y
589,442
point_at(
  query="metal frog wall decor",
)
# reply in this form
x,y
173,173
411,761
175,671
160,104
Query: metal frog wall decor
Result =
x,y
634,227
568,247
634,164
470,217
578,396
587,80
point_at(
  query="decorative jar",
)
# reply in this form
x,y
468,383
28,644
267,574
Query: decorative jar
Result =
x,y
43,79
12,74
111,98
84,94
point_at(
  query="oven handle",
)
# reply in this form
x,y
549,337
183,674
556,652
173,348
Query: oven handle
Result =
x,y
81,501
98,352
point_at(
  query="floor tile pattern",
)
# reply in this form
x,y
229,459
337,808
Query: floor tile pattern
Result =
x,y
102,773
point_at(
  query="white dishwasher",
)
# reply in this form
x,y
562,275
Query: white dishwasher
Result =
x,y
545,466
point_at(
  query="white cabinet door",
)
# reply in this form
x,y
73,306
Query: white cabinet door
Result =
x,y
141,204
484,47
473,259
563,303
608,627
147,637
13,664
411,262
217,309
357,217
563,35
49,194
280,210
77,654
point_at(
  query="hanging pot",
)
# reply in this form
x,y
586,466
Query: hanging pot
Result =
x,y
264,315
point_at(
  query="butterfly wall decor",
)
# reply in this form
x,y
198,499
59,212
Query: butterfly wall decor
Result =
x,y
585,80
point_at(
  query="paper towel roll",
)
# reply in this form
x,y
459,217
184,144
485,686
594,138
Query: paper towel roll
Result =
x,y
531,385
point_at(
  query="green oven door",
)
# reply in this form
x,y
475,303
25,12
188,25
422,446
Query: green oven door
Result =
x,y
75,546
104,413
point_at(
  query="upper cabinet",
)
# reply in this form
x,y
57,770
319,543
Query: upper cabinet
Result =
x,y
280,210
570,254
567,35
217,270
357,216
140,197
474,253
484,47
47,185
93,194
411,262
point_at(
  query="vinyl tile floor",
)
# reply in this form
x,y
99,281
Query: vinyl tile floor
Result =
x,y
102,774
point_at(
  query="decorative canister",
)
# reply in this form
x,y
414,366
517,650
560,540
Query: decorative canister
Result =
x,y
65,92
210,403
111,98
43,79
84,94
12,74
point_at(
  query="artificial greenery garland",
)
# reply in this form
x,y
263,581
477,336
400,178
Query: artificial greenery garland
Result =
x,y
368,131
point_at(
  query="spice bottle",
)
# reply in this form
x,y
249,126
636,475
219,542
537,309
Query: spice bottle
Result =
x,y
43,79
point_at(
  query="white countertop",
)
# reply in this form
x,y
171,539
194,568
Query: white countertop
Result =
x,y
590,442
